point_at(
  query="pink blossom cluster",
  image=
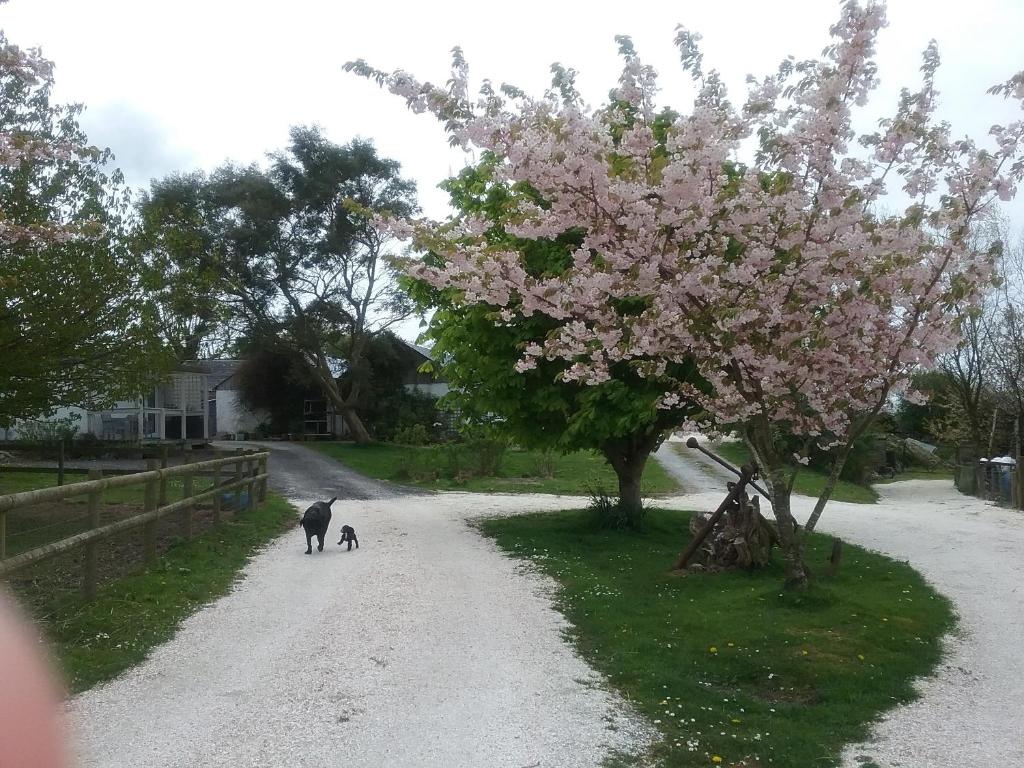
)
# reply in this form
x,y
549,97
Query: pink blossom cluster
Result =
x,y
21,71
782,279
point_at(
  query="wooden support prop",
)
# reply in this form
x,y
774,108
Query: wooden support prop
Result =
x,y
151,503
91,576
746,473
60,462
691,442
186,512
836,558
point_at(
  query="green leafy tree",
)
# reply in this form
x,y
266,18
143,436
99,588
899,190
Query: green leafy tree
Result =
x,y
75,326
479,349
177,233
300,263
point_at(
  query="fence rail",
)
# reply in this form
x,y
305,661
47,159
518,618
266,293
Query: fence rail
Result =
x,y
250,474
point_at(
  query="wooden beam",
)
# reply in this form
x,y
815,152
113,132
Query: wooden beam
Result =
x,y
40,553
55,493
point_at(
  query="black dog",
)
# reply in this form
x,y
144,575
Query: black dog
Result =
x,y
348,533
315,521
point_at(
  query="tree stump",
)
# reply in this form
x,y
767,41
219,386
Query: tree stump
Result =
x,y
743,538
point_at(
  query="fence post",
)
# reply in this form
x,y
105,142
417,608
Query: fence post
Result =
x,y
236,507
163,480
264,470
91,577
186,513
149,528
60,462
218,494
1018,484
251,469
3,534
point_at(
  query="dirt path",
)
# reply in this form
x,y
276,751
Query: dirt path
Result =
x,y
425,647
969,712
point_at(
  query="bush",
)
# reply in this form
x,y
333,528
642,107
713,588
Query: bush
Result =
x,y
608,513
454,463
51,431
391,417
544,464
489,453
416,434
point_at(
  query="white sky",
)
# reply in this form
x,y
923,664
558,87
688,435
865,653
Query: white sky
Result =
x,y
190,84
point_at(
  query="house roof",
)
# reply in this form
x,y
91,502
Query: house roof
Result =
x,y
424,352
220,371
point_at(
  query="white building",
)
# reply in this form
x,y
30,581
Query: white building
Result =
x,y
176,410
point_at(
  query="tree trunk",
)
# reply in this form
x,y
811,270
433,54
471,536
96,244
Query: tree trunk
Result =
x,y
355,426
629,472
628,456
343,406
778,476
826,492
797,575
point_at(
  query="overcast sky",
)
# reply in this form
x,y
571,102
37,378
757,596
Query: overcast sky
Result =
x,y
189,84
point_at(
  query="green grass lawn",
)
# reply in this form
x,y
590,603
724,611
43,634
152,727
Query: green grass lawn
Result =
x,y
452,468
808,481
728,665
95,641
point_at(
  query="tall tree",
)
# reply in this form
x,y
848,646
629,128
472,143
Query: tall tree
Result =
x,y
75,327
478,347
799,302
302,262
178,234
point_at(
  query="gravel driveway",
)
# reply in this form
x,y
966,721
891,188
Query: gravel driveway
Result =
x,y
428,647
425,647
971,712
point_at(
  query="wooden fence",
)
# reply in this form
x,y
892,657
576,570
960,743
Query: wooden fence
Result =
x,y
248,471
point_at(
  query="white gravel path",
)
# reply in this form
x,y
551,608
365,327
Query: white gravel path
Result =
x,y
428,647
694,471
425,647
971,712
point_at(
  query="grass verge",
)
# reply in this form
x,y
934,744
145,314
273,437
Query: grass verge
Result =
x,y
728,665
98,640
442,467
808,481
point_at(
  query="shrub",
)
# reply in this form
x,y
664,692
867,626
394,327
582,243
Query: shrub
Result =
x,y
50,431
608,513
544,464
416,434
489,453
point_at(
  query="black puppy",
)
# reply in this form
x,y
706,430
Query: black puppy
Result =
x,y
315,521
348,533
